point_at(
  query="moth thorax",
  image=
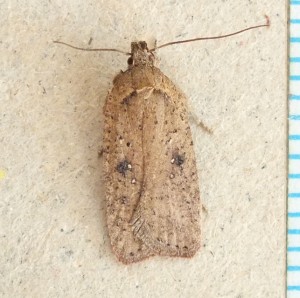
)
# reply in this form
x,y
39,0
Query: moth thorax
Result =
x,y
140,54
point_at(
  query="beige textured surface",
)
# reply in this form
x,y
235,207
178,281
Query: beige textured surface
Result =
x,y
53,236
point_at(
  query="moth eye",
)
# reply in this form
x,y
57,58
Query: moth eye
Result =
x,y
143,45
130,61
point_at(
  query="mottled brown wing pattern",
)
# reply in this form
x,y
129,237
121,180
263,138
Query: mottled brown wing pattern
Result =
x,y
167,218
153,202
123,176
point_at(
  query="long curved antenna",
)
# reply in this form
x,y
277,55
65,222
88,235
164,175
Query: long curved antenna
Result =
x,y
212,37
92,50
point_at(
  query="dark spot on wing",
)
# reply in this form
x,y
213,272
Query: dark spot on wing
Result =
x,y
178,159
123,166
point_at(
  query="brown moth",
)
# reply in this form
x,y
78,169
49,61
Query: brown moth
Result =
x,y
152,192
151,180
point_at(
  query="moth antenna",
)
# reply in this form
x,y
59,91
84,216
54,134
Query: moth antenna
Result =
x,y
91,50
267,24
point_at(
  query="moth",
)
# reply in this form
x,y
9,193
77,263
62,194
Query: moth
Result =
x,y
152,192
151,181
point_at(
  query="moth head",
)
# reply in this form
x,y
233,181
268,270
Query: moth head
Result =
x,y
140,55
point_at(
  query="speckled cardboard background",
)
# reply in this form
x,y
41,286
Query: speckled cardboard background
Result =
x,y
53,234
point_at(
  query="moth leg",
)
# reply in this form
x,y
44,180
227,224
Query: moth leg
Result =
x,y
200,124
204,127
